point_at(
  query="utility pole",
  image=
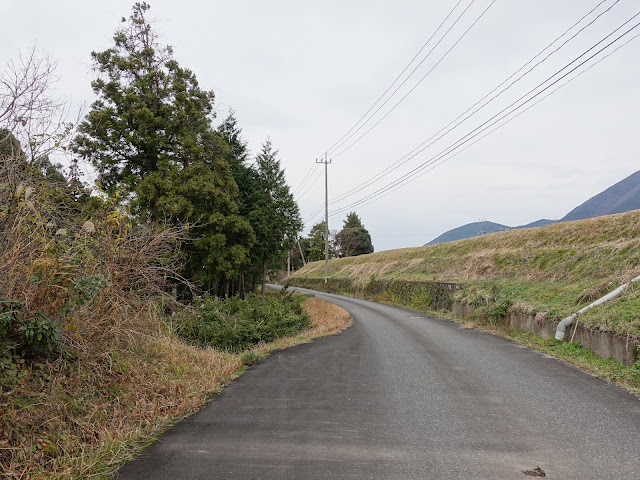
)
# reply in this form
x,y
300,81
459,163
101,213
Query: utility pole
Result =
x,y
326,212
301,252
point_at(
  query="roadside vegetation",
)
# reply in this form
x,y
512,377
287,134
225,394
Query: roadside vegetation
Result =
x,y
234,325
553,270
82,414
122,301
549,272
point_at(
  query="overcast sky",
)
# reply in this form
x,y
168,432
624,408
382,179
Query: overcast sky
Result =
x,y
304,72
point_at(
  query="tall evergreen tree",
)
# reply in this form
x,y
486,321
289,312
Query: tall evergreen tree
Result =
x,y
238,153
150,113
352,221
315,243
237,157
245,176
150,132
276,217
353,239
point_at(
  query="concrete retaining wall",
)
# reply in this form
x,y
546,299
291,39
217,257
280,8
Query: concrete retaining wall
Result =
x,y
411,294
605,345
438,296
625,350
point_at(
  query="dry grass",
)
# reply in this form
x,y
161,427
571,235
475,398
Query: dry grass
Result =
x,y
554,269
602,247
82,418
326,318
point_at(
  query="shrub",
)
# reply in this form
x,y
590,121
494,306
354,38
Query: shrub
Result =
x,y
498,311
250,357
235,324
41,335
24,333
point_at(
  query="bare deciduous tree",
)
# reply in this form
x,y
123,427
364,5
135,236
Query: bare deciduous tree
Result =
x,y
29,109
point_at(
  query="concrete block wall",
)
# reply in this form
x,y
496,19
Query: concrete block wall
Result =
x,y
604,344
438,296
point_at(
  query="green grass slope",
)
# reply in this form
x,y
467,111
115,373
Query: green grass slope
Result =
x,y
555,269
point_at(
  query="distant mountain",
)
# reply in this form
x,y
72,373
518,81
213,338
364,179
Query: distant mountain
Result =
x,y
469,230
619,198
537,223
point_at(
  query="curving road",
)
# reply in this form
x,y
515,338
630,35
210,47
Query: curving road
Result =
x,y
403,395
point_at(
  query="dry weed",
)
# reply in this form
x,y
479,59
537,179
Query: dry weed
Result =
x,y
604,247
83,418
326,318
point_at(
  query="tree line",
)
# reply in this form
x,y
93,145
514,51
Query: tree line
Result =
x,y
352,240
150,136
162,161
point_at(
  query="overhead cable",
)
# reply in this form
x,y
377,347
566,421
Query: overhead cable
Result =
x,y
513,107
331,148
430,141
305,178
336,155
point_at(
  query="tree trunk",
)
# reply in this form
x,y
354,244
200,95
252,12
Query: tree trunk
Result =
x,y
241,285
264,274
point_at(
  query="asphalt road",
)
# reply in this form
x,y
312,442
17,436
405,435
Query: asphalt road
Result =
x,y
402,395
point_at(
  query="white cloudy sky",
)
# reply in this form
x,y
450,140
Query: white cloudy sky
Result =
x,y
303,72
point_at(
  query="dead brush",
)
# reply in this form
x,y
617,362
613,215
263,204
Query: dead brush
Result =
x,y
80,262
95,285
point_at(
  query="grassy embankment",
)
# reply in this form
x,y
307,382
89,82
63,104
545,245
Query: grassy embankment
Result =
x,y
555,269
550,271
75,419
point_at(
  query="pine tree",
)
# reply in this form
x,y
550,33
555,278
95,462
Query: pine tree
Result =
x,y
245,177
150,113
237,156
276,217
315,242
352,221
150,133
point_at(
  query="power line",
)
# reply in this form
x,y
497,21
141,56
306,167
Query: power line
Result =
x,y
311,184
330,149
533,104
483,127
349,135
398,88
316,218
440,162
316,212
305,178
403,160
532,90
414,87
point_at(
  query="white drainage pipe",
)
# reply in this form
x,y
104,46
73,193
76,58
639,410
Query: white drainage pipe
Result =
x,y
564,324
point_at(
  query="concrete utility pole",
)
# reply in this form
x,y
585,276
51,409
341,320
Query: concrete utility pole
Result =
x,y
301,252
326,212
289,264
